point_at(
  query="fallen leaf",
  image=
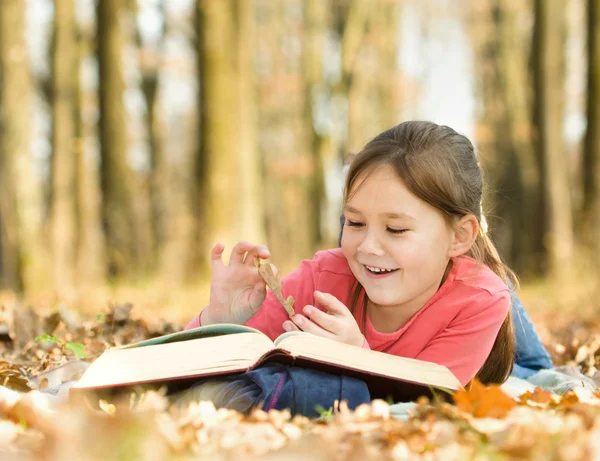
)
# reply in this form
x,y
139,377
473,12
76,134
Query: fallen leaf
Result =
x,y
539,396
106,407
484,401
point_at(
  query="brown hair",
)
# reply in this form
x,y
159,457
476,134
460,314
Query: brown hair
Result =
x,y
440,167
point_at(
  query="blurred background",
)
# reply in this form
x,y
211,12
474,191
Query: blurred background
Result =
x,y
136,133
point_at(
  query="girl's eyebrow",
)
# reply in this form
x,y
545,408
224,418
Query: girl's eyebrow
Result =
x,y
350,209
399,216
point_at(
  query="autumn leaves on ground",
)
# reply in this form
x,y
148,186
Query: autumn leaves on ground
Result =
x,y
481,423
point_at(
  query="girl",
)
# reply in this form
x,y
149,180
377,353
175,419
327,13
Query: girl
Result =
x,y
415,276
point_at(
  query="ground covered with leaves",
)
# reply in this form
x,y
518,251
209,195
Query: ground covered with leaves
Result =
x,y
479,423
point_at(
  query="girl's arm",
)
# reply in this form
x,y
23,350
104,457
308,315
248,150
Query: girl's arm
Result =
x,y
465,344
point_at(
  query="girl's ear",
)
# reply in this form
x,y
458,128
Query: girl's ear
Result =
x,y
465,233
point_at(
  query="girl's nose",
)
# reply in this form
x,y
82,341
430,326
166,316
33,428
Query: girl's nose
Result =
x,y
370,245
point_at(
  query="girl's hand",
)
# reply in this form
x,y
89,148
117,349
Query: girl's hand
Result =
x,y
337,323
236,291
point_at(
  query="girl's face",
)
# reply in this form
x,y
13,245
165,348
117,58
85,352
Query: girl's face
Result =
x,y
397,245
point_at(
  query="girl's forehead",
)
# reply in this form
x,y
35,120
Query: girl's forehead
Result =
x,y
373,177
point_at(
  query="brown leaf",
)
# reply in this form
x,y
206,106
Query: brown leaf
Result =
x,y
537,396
26,326
11,377
119,313
274,283
484,401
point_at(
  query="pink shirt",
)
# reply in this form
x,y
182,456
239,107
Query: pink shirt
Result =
x,y
457,327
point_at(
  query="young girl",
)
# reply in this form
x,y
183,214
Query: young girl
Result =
x,y
415,275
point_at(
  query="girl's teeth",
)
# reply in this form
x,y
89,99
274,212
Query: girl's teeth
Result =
x,y
376,269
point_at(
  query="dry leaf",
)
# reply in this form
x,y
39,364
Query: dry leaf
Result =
x,y
539,396
11,377
106,407
274,283
484,401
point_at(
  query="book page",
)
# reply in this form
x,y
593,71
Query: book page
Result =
x,y
342,355
196,357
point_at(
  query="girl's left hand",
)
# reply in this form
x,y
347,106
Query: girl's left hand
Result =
x,y
337,323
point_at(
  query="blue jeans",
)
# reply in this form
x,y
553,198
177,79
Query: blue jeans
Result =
x,y
277,386
530,354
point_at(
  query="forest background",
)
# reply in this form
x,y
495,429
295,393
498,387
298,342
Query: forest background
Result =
x,y
135,134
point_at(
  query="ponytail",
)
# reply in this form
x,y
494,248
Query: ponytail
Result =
x,y
499,364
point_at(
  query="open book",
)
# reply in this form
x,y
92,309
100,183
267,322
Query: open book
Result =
x,y
225,349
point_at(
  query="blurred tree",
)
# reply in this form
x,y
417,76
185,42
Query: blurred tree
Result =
x,y
228,164
91,249
285,134
548,73
14,134
591,155
504,131
117,193
172,181
317,18
389,79
374,82
351,20
150,62
23,211
64,126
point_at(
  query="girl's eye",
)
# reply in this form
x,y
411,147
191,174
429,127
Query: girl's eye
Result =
x,y
396,231
354,223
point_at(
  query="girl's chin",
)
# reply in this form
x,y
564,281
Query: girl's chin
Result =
x,y
382,301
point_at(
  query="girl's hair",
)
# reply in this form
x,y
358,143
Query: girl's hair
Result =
x,y
440,167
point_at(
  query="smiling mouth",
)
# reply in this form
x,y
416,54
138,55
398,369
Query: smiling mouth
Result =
x,y
378,270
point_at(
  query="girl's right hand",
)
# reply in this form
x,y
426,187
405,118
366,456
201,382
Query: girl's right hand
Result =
x,y
236,291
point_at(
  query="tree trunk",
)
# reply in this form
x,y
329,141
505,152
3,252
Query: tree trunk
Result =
x,y
12,59
389,82
315,29
19,217
288,162
64,118
251,191
591,154
548,115
91,245
504,132
229,165
117,206
172,181
353,29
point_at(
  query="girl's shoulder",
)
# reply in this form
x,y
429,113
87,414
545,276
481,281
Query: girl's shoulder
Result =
x,y
468,272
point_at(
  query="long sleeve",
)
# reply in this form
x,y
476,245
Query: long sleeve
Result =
x,y
195,322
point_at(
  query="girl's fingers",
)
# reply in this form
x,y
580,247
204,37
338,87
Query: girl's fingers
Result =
x,y
326,321
260,251
216,254
290,326
258,294
238,252
308,326
331,303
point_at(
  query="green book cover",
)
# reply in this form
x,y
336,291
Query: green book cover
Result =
x,y
207,331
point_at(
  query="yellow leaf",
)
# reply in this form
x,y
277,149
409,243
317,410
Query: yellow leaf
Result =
x,y
108,408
